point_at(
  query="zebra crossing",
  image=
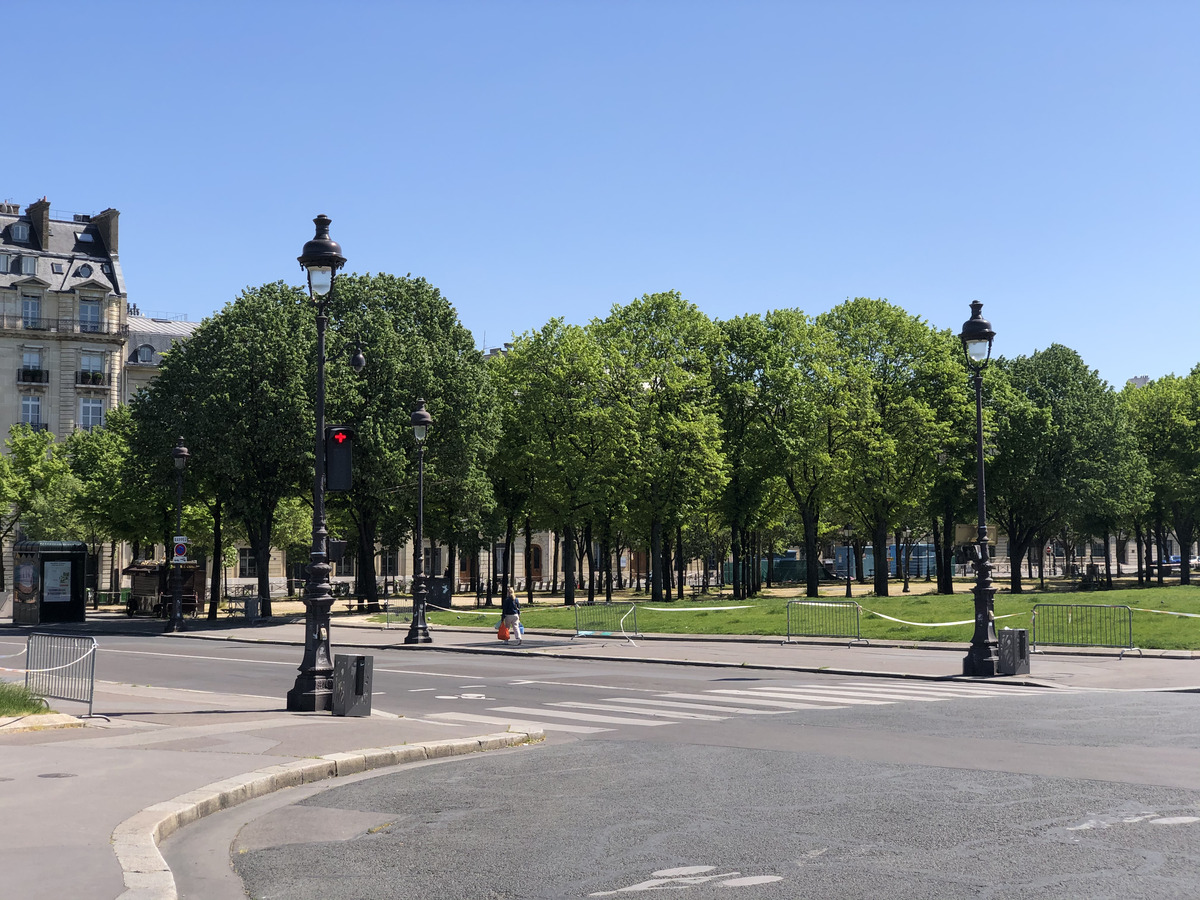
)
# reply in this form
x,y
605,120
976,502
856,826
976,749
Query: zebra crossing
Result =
x,y
718,704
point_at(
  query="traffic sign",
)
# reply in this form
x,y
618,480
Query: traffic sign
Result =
x,y
180,552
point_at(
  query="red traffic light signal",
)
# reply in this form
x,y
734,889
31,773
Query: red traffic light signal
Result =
x,y
339,451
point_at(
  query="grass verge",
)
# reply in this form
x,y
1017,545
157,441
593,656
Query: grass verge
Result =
x,y
15,700
924,615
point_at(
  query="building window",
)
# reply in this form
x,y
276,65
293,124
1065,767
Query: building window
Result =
x,y
89,315
56,268
433,561
31,311
28,265
31,358
500,559
19,231
91,413
31,409
535,564
345,566
247,564
145,354
389,563
91,361
4,258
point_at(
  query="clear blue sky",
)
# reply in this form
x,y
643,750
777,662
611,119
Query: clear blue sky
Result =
x,y
538,159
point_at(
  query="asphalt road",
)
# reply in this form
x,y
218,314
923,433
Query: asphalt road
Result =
x,y
709,781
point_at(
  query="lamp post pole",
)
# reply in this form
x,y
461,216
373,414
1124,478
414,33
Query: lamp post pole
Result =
x,y
180,455
982,657
418,630
849,560
907,555
313,690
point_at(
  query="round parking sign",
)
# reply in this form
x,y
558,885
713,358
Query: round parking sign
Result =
x,y
181,549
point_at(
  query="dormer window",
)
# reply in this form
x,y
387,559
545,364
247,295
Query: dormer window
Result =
x,y
85,271
145,354
4,262
28,265
56,268
85,237
19,231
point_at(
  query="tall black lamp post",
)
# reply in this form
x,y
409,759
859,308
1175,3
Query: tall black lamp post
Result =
x,y
907,535
846,532
180,455
981,659
313,690
418,630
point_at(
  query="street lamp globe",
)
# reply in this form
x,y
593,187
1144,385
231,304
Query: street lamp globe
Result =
x,y
321,257
181,455
421,421
977,336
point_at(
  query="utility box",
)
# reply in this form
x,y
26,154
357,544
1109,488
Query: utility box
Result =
x,y
49,580
1014,651
352,685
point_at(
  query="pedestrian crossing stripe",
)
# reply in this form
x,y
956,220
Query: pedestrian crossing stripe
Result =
x,y
719,704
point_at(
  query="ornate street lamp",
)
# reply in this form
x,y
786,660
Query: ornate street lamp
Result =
x,y
981,659
313,690
907,534
847,531
418,630
180,455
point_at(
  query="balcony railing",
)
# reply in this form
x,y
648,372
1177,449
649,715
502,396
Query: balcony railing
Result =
x,y
33,376
87,378
65,326
38,426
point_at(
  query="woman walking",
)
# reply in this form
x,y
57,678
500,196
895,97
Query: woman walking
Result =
x,y
510,609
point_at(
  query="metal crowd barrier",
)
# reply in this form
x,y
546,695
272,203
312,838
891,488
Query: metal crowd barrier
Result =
x,y
605,619
825,618
62,666
1083,625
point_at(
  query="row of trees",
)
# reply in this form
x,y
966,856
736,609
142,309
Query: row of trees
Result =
x,y
654,428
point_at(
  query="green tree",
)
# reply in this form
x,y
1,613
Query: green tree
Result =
x,y
660,356
902,379
1052,417
28,479
247,376
416,349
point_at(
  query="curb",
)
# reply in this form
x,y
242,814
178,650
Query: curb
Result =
x,y
38,722
135,841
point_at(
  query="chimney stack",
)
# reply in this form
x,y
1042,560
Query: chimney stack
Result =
x,y
39,218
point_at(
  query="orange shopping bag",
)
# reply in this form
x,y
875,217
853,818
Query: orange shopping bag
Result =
x,y
503,632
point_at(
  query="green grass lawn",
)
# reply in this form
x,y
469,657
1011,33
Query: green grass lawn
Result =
x,y
768,615
16,701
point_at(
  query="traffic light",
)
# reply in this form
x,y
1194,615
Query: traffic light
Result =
x,y
339,450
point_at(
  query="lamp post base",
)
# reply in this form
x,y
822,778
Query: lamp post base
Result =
x,y
313,692
418,631
981,662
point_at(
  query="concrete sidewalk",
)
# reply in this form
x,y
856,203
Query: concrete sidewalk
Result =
x,y
85,806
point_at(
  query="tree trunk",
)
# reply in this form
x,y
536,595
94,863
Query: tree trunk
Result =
x,y
262,558
528,560
590,554
879,538
214,584
554,568
1158,529
737,562
508,554
569,565
1107,556
1137,537
680,562
656,573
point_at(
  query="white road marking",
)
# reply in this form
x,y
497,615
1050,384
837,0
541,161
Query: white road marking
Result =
x,y
813,696
666,713
578,717
675,704
884,696
493,720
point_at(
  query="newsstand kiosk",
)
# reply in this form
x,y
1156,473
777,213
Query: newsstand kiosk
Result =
x,y
49,580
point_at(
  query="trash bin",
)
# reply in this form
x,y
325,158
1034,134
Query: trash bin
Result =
x,y
352,685
1014,651
251,609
